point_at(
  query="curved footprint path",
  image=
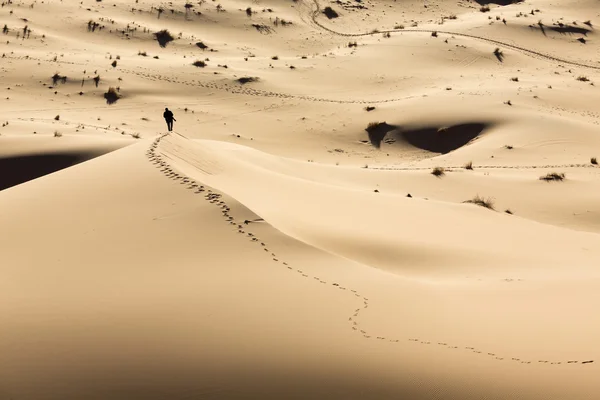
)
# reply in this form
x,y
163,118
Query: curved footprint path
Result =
x,y
215,198
317,11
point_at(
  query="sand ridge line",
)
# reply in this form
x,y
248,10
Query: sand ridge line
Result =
x,y
212,196
524,50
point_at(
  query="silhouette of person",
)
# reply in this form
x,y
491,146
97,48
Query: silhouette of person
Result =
x,y
168,115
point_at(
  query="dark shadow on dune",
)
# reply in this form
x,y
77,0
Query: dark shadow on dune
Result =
x,y
570,29
563,30
498,2
431,138
15,170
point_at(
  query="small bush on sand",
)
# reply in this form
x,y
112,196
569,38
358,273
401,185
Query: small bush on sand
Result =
x,y
58,78
199,64
57,118
468,165
508,211
57,134
136,135
201,45
330,13
111,96
515,79
247,79
369,108
583,78
482,202
594,161
552,176
484,8
163,37
438,171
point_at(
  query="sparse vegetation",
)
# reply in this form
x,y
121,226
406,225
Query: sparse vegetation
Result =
x,y
201,45
553,176
508,211
438,171
97,80
330,12
594,161
58,78
499,54
434,34
111,95
583,78
352,44
369,108
468,165
57,134
199,64
142,53
163,37
514,79
247,79
484,8
482,202
136,135
508,147
57,118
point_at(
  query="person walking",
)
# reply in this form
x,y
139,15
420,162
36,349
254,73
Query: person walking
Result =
x,y
168,115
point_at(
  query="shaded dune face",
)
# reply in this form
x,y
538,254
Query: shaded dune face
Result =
x,y
15,170
435,139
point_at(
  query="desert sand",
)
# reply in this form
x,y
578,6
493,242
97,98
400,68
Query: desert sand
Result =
x,y
359,200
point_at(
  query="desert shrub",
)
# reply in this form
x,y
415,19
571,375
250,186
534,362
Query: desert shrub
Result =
x,y
484,8
142,53
438,171
468,165
330,13
163,37
97,80
515,79
482,202
247,79
583,78
199,64
201,45
111,95
58,78
369,108
594,161
553,176
57,118
57,134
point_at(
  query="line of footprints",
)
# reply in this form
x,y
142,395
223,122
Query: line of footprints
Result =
x,y
216,199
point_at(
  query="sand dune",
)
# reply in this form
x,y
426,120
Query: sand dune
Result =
x,y
378,200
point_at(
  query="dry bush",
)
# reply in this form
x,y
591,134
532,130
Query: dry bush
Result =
x,y
163,37
57,134
369,108
468,165
247,79
199,64
482,202
57,118
594,161
111,95
553,177
514,79
484,8
201,45
330,13
438,171
58,78
583,78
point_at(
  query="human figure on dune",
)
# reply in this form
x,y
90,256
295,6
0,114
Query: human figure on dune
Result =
x,y
168,115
